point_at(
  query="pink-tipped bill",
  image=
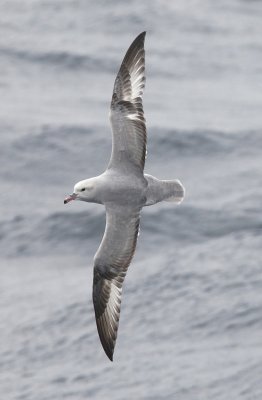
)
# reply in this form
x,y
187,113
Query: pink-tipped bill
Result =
x,y
70,198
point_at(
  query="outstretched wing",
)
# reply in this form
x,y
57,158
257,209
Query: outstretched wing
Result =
x,y
126,113
111,263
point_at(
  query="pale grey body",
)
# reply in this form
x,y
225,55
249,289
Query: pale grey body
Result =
x,y
112,188
124,190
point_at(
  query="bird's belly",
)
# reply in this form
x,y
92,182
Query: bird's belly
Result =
x,y
128,192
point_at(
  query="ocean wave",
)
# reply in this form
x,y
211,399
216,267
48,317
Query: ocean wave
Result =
x,y
199,143
27,235
215,321
62,59
193,224
48,138
62,231
53,148
66,139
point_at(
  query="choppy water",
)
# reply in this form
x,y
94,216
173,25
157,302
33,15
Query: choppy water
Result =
x,y
191,317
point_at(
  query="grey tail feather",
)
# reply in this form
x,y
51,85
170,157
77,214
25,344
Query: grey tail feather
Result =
x,y
176,190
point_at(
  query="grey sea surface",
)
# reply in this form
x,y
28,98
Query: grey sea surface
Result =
x,y
191,318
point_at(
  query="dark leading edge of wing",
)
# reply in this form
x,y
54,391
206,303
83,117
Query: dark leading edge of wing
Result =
x,y
126,113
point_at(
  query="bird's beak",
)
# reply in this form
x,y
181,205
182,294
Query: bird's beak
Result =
x,y
71,197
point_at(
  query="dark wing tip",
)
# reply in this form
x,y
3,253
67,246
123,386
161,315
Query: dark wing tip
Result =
x,y
137,43
142,34
140,38
110,355
106,321
108,346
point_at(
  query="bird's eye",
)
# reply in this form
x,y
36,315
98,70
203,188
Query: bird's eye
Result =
x,y
82,190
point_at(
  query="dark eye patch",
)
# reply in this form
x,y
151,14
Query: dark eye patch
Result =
x,y
82,190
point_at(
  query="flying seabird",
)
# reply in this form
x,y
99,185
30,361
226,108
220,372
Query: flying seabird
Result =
x,y
124,190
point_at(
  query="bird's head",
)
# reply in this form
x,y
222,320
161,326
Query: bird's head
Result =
x,y
83,190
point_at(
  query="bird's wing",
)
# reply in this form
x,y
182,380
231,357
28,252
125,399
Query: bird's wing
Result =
x,y
126,113
111,263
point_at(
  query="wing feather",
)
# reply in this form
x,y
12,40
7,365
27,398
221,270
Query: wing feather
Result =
x,y
111,263
126,113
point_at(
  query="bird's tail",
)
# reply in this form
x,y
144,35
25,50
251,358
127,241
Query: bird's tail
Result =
x,y
175,191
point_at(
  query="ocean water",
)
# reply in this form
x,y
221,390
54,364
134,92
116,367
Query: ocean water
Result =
x,y
191,317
